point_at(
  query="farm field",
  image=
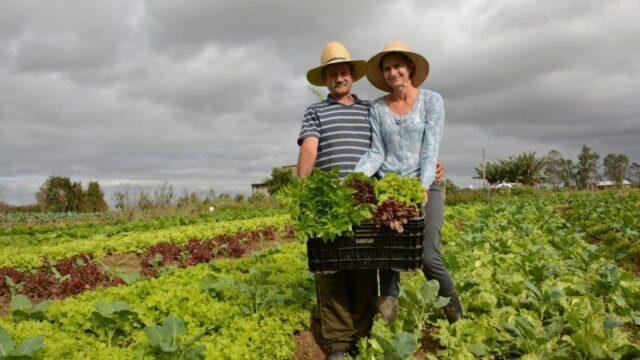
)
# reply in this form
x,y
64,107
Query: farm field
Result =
x,y
555,277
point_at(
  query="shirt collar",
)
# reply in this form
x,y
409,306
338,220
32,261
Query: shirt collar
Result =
x,y
356,99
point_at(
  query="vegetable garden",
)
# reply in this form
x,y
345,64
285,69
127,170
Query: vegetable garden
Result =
x,y
554,276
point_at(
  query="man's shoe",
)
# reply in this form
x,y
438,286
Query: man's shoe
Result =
x,y
336,355
387,307
451,313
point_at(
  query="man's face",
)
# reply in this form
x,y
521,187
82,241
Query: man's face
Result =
x,y
338,79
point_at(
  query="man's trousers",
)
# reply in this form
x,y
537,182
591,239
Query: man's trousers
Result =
x,y
345,306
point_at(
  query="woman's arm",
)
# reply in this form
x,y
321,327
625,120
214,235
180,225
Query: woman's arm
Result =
x,y
372,160
431,140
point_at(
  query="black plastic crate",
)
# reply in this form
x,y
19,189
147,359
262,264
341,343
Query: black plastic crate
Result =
x,y
370,248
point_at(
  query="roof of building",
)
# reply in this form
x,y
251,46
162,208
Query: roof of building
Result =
x,y
611,183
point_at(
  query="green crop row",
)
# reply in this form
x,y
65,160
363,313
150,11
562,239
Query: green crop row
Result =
x,y
12,219
531,287
52,234
30,257
238,309
610,219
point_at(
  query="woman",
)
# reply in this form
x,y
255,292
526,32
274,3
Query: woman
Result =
x,y
406,128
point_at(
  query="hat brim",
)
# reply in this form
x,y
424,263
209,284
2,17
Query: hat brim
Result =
x,y
314,76
376,78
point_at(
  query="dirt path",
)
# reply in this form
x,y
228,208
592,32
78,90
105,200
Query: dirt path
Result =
x,y
308,343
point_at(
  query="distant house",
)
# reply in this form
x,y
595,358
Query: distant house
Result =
x,y
259,188
610,184
293,168
262,188
505,185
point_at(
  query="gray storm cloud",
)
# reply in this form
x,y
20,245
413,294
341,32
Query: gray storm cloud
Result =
x,y
210,94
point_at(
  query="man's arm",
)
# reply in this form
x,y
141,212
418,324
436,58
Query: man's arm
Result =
x,y
307,157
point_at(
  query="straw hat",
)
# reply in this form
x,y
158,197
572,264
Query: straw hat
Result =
x,y
335,53
374,72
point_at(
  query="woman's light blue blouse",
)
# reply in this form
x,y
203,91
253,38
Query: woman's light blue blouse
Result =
x,y
407,145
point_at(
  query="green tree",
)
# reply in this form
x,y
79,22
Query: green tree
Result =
x,y
280,177
587,175
633,174
557,170
554,168
94,198
59,194
524,168
528,168
616,167
76,197
569,173
494,173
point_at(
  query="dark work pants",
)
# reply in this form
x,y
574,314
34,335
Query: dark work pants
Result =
x,y
432,265
344,304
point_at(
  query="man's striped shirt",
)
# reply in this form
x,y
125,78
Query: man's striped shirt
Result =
x,y
344,132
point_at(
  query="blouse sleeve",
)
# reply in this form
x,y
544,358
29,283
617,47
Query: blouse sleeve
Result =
x,y
434,127
372,160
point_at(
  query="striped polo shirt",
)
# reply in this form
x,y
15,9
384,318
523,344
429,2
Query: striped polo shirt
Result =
x,y
344,132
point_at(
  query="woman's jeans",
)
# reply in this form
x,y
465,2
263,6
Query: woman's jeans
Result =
x,y
432,265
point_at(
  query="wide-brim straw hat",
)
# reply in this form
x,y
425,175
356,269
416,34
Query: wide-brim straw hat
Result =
x,y
336,53
374,72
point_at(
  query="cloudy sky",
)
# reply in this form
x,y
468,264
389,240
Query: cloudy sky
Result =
x,y
211,93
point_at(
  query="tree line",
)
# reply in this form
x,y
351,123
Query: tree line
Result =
x,y
60,194
555,171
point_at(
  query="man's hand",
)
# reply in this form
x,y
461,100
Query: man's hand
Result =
x,y
439,172
307,157
426,197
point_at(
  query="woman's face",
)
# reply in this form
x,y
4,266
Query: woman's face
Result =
x,y
396,71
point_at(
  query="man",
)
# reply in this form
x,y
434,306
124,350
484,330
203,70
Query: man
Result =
x,y
336,133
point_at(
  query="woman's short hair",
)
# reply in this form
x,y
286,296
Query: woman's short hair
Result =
x,y
404,57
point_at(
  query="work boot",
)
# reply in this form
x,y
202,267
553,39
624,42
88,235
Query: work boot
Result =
x,y
451,313
387,307
336,355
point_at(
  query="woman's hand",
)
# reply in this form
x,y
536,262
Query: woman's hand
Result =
x,y
426,197
439,172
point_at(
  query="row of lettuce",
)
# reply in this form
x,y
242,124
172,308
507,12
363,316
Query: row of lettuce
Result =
x,y
30,257
609,219
241,309
80,273
531,286
22,235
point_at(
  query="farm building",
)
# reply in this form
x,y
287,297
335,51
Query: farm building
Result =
x,y
608,184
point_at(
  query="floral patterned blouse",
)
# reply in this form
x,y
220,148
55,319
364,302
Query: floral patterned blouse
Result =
x,y
407,145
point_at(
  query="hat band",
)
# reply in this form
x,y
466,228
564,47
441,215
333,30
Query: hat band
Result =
x,y
335,58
